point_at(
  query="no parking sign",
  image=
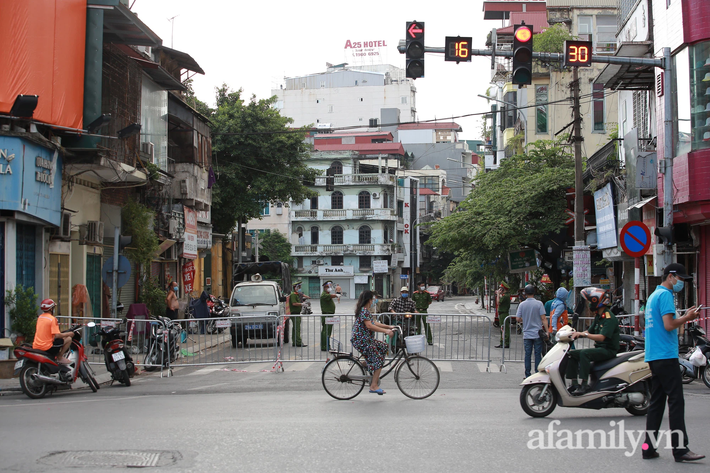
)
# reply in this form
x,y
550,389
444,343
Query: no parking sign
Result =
x,y
635,239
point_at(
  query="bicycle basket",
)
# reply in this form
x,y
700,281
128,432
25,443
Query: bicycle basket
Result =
x,y
415,343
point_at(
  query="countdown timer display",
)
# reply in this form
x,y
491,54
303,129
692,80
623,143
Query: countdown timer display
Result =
x,y
578,53
457,48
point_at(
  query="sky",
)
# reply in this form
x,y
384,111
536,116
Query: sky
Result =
x,y
253,45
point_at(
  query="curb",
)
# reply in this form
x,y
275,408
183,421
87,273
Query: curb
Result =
x,y
102,379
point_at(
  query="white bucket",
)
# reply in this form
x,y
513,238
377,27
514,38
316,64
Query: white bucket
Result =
x,y
415,343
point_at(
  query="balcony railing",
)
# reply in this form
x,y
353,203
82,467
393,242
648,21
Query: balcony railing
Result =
x,y
378,249
358,179
344,214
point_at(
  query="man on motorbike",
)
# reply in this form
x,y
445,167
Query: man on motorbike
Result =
x,y
605,334
47,335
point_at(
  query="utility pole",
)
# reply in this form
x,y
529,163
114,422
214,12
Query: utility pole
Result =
x,y
667,167
578,182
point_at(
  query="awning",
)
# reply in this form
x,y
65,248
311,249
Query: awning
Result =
x,y
159,75
640,204
88,161
164,246
598,160
183,60
628,76
122,26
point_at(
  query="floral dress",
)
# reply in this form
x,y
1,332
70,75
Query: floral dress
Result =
x,y
363,340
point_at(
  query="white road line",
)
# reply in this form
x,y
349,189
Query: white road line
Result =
x,y
301,366
98,399
207,387
444,366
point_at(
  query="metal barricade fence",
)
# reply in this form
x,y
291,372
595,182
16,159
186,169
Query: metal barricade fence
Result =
x,y
135,333
515,351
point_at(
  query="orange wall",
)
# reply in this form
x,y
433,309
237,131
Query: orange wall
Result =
x,y
42,47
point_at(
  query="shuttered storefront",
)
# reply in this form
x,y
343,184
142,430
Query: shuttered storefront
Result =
x,y
704,272
59,289
93,283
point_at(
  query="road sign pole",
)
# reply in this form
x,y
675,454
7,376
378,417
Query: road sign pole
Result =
x,y
114,283
637,277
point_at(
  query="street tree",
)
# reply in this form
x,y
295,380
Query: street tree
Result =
x,y
258,159
518,205
274,246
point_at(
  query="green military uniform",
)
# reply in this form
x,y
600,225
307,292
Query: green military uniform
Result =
x,y
295,298
607,325
503,313
422,299
327,307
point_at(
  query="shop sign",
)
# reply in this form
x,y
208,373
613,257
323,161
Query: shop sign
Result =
x,y
188,276
606,224
522,260
189,249
582,266
204,237
335,271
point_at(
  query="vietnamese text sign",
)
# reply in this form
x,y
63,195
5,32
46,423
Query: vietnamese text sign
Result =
x,y
433,319
582,266
188,276
379,266
189,247
204,237
332,320
335,271
522,260
606,225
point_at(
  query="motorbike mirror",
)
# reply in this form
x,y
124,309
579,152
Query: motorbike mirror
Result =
x,y
91,324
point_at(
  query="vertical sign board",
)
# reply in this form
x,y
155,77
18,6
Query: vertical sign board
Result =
x,y
189,250
188,276
407,218
582,266
606,224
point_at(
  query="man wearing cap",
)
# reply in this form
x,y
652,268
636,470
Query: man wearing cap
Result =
x,y
295,301
422,300
327,307
403,304
662,357
532,313
503,303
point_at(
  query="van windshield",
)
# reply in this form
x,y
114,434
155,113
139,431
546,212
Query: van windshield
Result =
x,y
254,295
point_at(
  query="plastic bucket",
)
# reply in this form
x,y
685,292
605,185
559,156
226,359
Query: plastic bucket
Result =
x,y
415,343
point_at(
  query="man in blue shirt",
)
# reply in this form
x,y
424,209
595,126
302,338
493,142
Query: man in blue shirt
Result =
x,y
532,313
662,357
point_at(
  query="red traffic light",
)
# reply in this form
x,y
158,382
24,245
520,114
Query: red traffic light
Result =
x,y
523,34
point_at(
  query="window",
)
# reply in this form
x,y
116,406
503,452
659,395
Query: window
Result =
x,y
400,209
692,89
337,167
336,236
431,182
598,107
364,235
265,209
336,200
385,200
363,200
386,235
404,99
336,260
584,27
299,261
606,34
314,203
365,263
314,235
541,109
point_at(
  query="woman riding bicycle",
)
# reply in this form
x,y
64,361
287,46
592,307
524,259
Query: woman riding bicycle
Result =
x,y
363,338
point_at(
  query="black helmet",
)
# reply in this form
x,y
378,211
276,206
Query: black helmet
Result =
x,y
596,297
529,289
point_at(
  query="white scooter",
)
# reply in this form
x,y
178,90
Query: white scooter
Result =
x,y
624,381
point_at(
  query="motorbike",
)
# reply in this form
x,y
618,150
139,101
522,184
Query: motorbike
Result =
x,y
623,381
217,309
163,344
688,370
40,373
117,358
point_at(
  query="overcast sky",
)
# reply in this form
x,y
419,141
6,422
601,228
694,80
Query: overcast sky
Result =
x,y
253,45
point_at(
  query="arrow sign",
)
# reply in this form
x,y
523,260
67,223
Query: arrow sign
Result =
x,y
635,239
414,30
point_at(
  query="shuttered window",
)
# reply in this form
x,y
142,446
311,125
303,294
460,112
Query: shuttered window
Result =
x,y
59,289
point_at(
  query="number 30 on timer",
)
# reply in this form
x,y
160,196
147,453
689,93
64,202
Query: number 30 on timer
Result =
x,y
578,53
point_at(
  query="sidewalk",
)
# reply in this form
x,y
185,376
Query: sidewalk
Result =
x,y
12,385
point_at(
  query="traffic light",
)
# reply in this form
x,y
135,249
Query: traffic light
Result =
x,y
124,241
664,234
415,49
522,54
457,49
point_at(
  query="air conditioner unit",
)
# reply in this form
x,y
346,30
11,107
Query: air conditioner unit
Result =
x,y
83,233
375,195
171,253
148,149
95,232
65,226
320,261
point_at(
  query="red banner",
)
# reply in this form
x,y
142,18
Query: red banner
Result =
x,y
188,276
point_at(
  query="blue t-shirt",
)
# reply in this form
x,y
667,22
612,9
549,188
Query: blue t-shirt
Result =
x,y
660,343
531,310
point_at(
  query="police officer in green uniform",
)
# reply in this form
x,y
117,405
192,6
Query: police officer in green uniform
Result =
x,y
503,300
605,333
327,307
295,301
422,299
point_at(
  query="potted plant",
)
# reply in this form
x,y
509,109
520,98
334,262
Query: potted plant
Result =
x,y
23,308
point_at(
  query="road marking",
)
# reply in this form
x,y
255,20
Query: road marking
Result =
x,y
482,367
298,366
59,403
207,387
207,370
444,366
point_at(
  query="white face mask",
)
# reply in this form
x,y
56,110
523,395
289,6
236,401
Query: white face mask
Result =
x,y
328,290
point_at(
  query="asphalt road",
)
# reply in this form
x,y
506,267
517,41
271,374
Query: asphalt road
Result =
x,y
246,418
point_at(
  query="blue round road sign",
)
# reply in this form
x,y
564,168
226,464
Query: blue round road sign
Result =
x,y
635,239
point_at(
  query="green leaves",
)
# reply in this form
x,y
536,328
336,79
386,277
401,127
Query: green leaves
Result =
x,y
511,207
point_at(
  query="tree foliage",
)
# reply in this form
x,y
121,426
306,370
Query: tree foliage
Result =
x,y
275,247
512,207
137,221
257,158
552,39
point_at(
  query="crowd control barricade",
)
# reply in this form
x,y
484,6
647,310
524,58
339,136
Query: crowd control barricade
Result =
x,y
515,351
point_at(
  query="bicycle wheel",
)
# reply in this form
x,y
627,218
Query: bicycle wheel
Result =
x,y
337,380
417,377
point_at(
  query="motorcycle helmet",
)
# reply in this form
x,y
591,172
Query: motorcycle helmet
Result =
x,y
596,297
47,305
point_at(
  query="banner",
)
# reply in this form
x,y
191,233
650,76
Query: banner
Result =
x,y
606,224
188,276
189,246
522,260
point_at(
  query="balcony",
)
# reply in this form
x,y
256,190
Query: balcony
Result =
x,y
325,250
343,214
358,180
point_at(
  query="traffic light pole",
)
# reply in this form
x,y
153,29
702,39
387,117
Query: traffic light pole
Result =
x,y
667,167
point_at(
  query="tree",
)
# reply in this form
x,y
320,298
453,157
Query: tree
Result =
x,y
552,39
518,205
258,159
274,246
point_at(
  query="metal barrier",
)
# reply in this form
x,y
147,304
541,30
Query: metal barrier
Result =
x,y
515,351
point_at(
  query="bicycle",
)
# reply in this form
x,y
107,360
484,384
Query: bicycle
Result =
x,y
417,377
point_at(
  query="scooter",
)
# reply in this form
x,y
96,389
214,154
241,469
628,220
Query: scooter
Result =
x,y
688,370
623,381
163,345
117,358
40,373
